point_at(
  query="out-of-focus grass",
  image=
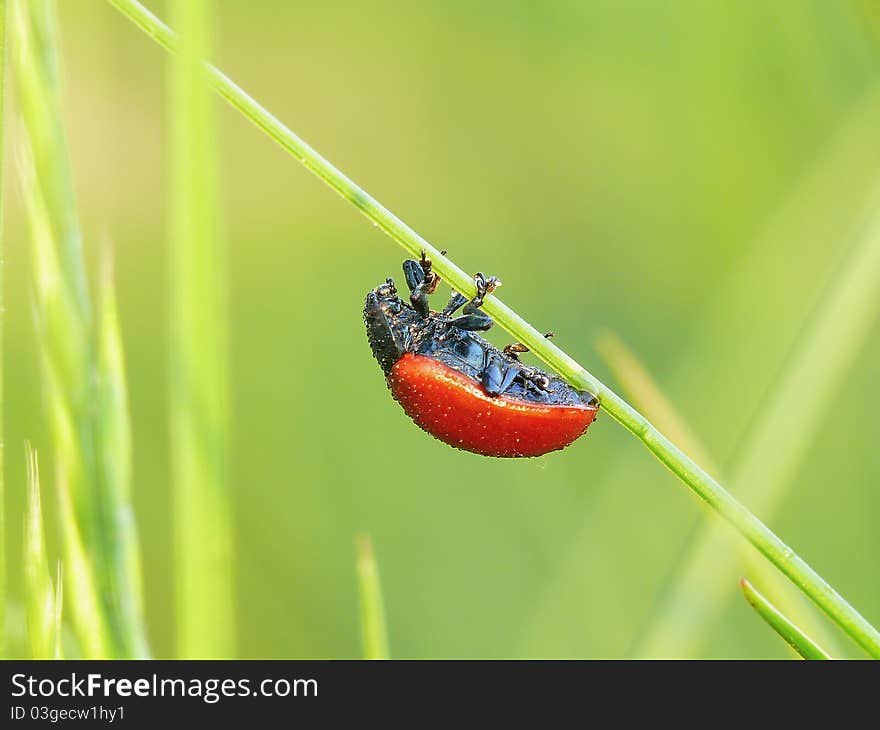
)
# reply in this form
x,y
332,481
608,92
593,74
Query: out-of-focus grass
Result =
x,y
662,138
42,597
84,599
3,597
114,448
374,635
645,393
81,366
739,324
780,623
641,388
787,425
204,545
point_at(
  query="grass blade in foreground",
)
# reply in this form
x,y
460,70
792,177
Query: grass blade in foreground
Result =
x,y
740,518
60,354
113,444
93,507
41,598
59,607
202,510
793,636
2,471
373,633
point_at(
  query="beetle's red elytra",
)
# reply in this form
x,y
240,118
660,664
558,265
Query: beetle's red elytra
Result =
x,y
457,410
460,388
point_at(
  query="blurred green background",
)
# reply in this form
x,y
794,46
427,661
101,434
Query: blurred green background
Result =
x,y
687,175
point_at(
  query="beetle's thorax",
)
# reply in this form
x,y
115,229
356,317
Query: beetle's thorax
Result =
x,y
393,327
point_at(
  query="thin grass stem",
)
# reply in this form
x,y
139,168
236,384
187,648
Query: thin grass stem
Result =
x,y
2,299
59,611
782,625
41,607
373,632
199,422
114,454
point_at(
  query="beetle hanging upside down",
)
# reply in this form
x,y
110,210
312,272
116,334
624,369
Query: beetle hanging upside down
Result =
x,y
457,386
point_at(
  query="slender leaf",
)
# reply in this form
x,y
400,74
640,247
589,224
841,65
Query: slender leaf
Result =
x,y
373,633
199,388
114,453
59,606
3,641
93,505
783,626
41,598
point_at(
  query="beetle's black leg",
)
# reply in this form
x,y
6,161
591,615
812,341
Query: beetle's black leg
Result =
x,y
485,286
534,378
455,303
414,273
472,318
512,351
473,322
531,376
422,281
498,375
387,290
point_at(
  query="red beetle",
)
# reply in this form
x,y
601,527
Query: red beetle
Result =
x,y
460,388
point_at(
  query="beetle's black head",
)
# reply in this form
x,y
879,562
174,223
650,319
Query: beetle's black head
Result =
x,y
383,312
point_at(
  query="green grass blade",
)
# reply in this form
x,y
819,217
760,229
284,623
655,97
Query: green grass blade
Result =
x,y
373,633
62,320
644,392
199,388
84,600
95,513
59,606
679,463
778,441
39,99
114,448
777,621
3,642
54,317
40,594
